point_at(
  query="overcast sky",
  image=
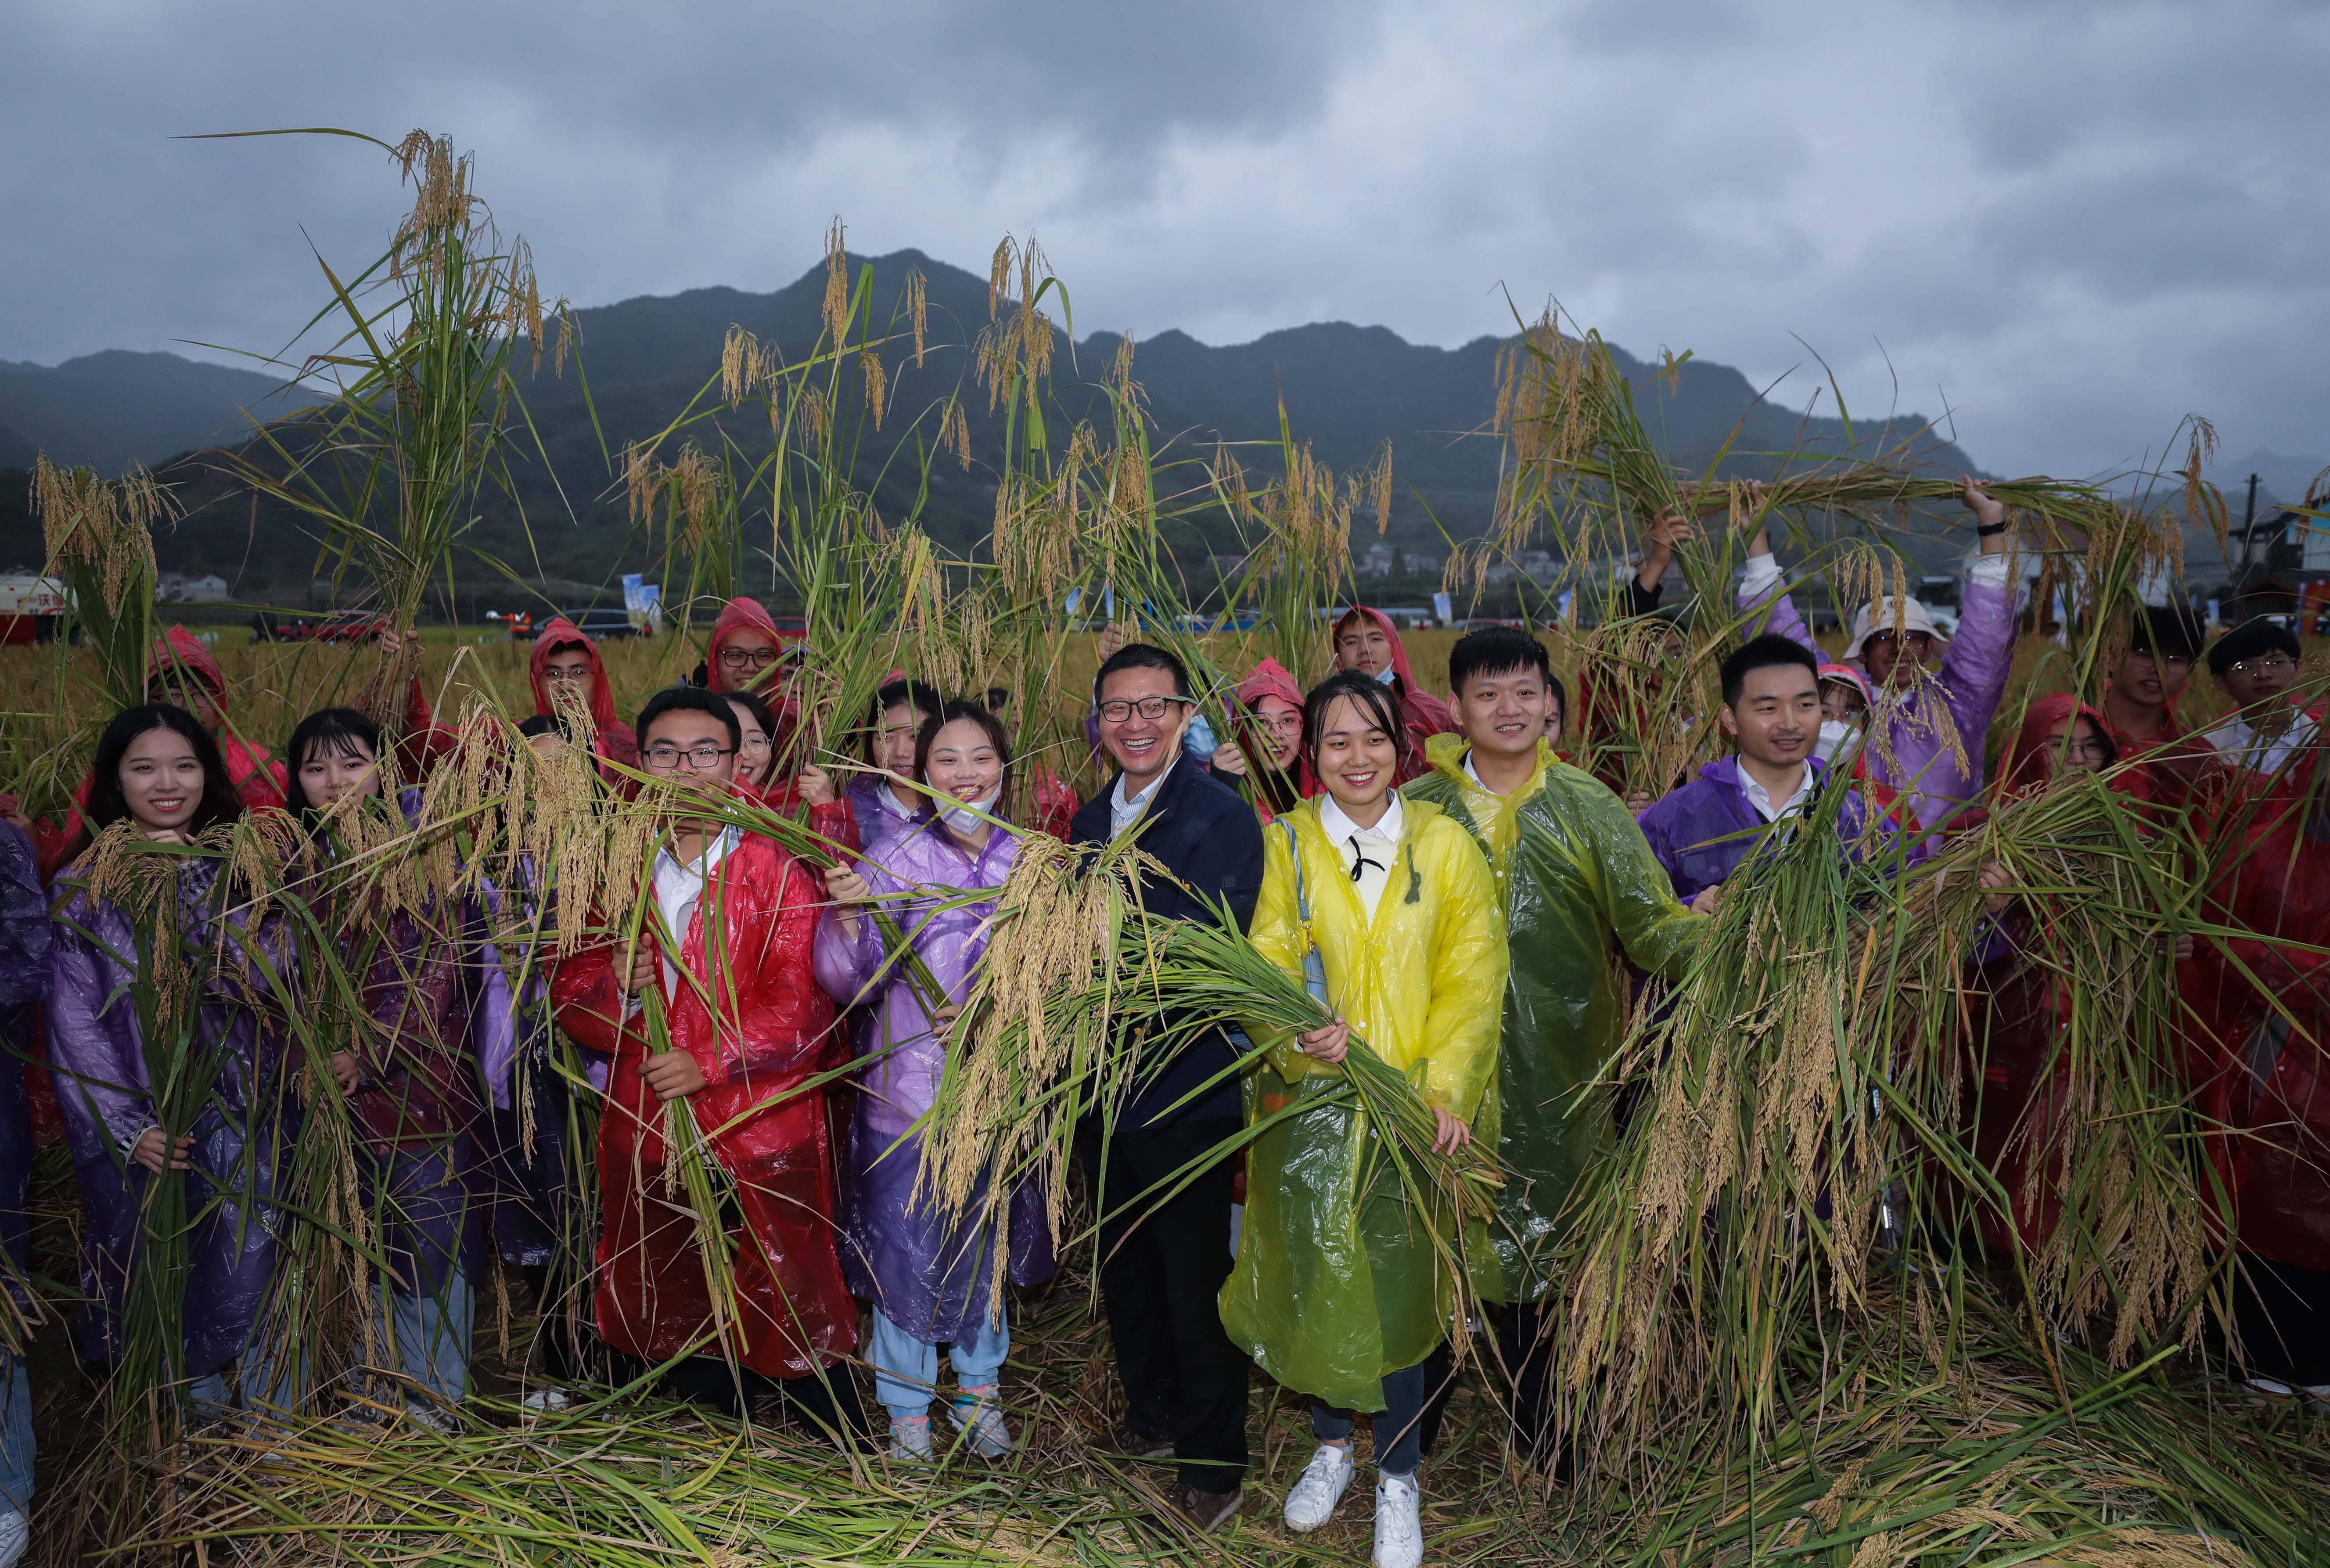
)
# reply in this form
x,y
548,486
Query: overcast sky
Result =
x,y
2071,223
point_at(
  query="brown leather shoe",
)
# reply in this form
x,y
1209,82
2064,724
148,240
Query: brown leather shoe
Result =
x,y
1208,1511
1139,1445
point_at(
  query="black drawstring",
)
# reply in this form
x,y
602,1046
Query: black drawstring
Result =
x,y
1360,861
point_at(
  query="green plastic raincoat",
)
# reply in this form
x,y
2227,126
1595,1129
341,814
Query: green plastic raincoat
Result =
x,y
1578,887
1335,1288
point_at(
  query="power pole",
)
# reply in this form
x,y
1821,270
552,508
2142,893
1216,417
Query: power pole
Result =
x,y
2249,520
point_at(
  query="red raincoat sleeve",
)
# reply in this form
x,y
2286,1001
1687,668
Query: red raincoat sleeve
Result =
x,y
590,1006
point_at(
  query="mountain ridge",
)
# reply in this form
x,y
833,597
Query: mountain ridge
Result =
x,y
1346,388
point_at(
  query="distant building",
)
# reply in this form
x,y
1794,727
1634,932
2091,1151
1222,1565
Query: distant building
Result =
x,y
1540,566
176,588
1378,561
1417,561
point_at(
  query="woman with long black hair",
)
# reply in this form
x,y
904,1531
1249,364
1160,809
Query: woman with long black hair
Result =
x,y
433,1004
165,1051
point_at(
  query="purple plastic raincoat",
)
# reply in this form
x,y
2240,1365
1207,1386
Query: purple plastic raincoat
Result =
x,y
440,1006
1934,787
1702,832
97,1062
930,1278
875,810
24,942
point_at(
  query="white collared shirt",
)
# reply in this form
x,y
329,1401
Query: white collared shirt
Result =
x,y
2240,742
1761,799
1123,813
1376,848
677,890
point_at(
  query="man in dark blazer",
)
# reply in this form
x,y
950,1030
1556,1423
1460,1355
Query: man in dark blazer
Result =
x,y
1162,1271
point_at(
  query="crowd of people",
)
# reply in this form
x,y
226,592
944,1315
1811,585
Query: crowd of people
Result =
x,y
1472,906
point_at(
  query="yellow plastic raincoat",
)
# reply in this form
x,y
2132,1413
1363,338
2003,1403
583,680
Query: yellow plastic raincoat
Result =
x,y
1578,889
1334,1287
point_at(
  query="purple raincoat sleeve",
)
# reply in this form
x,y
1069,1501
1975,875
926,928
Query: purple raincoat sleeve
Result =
x,y
1975,666
1784,620
97,1072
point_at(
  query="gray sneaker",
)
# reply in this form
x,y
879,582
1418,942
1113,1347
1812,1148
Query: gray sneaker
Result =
x,y
980,1420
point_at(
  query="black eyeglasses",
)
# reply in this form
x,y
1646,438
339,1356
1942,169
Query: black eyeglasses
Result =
x,y
700,758
2265,666
1117,710
736,658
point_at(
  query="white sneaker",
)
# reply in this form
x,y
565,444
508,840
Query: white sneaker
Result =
x,y
910,1440
1399,1524
980,1421
1322,1486
16,1535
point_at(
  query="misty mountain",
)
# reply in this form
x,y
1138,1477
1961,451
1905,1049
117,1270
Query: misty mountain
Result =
x,y
1346,389
111,409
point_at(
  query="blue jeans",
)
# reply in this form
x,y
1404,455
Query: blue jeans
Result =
x,y
1399,1430
906,1369
16,1440
253,1380
431,1337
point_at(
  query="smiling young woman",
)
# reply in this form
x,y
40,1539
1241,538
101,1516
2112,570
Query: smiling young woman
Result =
x,y
1338,1292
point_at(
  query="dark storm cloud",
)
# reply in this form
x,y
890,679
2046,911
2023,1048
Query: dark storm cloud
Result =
x,y
2070,222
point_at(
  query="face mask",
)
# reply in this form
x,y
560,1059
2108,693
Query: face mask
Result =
x,y
1386,675
1837,739
1198,739
966,818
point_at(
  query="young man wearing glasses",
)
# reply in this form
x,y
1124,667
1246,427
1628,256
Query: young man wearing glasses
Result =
x,y
1893,640
1162,1277
567,673
2256,665
724,951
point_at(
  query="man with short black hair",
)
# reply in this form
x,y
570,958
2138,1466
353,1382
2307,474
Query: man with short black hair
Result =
x,y
1772,710
1578,890
1892,639
1161,1278
2256,665
725,947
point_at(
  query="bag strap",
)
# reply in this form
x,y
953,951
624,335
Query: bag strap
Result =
x,y
1295,857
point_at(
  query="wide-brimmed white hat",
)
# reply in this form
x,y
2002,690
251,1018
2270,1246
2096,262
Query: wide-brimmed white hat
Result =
x,y
1884,615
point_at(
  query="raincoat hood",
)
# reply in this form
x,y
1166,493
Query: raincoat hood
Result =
x,y
1399,664
1426,715
741,615
180,648
2022,766
1271,679
1268,679
558,632
1856,676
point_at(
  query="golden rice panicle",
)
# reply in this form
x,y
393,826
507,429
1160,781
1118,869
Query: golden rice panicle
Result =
x,y
836,287
870,371
955,434
918,309
745,365
1016,350
106,527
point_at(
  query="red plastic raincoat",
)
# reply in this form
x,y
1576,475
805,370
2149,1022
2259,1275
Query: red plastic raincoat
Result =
x,y
652,1299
